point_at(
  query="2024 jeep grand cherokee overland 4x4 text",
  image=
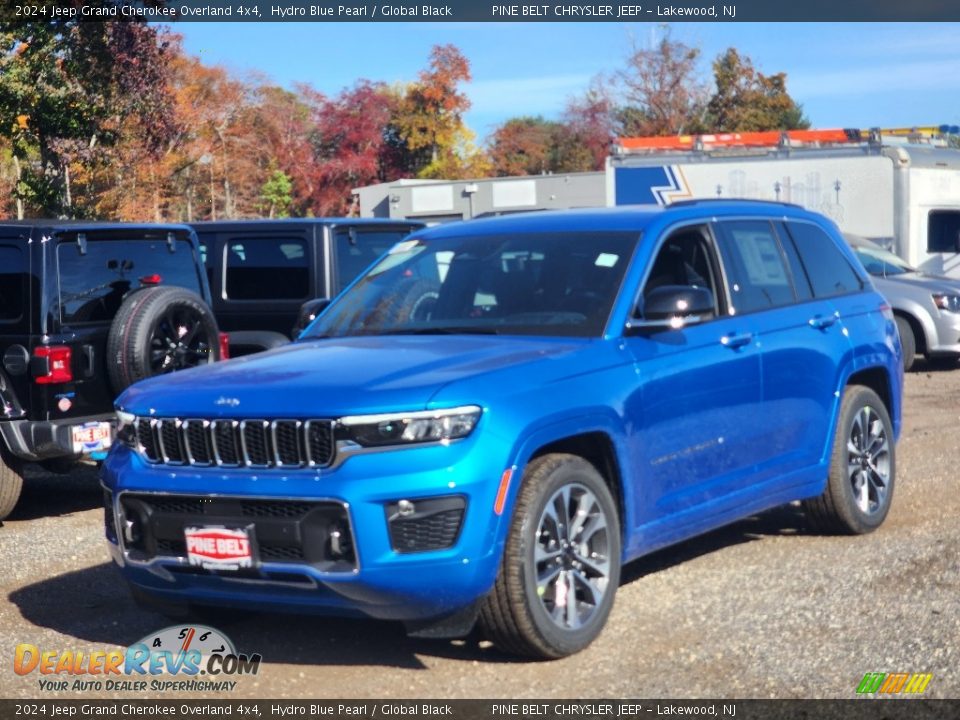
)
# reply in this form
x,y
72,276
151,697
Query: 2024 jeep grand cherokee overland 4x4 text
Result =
x,y
86,310
577,389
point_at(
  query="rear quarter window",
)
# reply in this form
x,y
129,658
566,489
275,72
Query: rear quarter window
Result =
x,y
13,282
829,271
752,254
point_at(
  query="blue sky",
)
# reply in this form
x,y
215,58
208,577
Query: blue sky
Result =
x,y
845,75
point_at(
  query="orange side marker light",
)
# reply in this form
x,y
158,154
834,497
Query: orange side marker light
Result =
x,y
502,491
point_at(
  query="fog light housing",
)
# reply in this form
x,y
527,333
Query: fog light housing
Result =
x,y
429,524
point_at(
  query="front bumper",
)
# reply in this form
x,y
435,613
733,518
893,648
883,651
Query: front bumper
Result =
x,y
945,341
444,558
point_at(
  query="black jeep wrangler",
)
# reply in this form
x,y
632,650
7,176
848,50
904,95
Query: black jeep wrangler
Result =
x,y
85,311
262,271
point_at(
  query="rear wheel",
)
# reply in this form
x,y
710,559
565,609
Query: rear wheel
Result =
x,y
11,483
561,563
907,341
862,468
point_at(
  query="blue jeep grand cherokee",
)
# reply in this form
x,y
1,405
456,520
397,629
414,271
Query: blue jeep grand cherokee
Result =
x,y
500,413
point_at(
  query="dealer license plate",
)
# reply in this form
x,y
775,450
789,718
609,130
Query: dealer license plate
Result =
x,y
91,437
219,548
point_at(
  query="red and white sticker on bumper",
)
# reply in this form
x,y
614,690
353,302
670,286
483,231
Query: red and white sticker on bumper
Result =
x,y
218,548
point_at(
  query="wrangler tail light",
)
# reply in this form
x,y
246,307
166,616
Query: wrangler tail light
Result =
x,y
52,364
224,346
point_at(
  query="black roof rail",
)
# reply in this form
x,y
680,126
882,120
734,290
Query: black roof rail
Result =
x,y
707,201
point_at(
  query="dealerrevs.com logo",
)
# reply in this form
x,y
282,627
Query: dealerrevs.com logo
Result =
x,y
192,658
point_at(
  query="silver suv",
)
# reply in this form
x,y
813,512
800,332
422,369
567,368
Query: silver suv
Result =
x,y
927,307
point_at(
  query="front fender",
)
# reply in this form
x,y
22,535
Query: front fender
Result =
x,y
557,429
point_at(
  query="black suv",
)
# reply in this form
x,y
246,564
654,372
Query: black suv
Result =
x,y
85,311
262,271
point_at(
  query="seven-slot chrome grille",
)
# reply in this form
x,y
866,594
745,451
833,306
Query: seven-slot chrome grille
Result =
x,y
236,443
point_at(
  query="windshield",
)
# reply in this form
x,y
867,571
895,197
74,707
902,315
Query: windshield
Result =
x,y
544,284
881,262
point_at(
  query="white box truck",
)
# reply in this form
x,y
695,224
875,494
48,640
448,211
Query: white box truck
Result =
x,y
899,189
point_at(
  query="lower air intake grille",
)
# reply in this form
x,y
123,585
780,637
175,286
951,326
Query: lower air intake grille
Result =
x,y
293,532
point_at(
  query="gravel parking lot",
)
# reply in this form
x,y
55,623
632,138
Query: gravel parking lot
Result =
x,y
763,608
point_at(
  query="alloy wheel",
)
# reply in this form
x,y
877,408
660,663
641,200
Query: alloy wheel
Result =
x,y
571,556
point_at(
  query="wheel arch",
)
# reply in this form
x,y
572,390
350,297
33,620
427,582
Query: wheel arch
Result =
x,y
597,439
596,448
878,380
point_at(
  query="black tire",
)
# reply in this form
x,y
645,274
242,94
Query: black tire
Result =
x,y
519,618
11,483
159,330
907,341
845,506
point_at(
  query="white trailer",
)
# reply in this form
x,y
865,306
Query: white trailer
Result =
x,y
904,195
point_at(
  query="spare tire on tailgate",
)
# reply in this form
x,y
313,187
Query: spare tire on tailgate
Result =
x,y
158,330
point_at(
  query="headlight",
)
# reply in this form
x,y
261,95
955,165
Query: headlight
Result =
x,y
409,428
950,303
127,429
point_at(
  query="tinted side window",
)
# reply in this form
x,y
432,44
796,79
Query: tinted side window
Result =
x,y
801,282
758,275
93,285
356,250
267,269
943,231
685,258
13,281
829,270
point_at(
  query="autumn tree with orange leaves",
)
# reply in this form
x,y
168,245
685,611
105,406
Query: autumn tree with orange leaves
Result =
x,y
429,119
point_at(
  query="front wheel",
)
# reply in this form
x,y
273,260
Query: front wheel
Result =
x,y
862,467
561,563
908,342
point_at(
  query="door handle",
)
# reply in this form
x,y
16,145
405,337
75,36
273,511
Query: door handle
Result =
x,y
734,340
822,322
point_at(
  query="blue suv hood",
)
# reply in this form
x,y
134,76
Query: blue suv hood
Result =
x,y
328,378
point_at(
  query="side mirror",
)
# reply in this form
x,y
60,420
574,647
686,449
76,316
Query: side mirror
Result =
x,y
308,313
673,306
